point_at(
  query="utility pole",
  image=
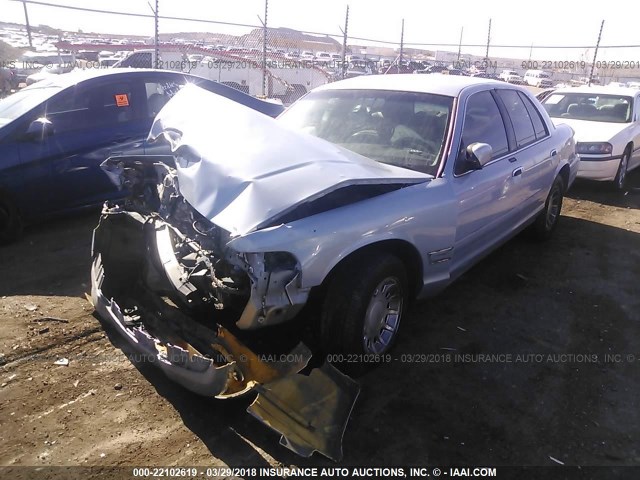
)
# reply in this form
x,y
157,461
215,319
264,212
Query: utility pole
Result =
x,y
460,44
344,44
156,41
26,19
486,56
264,47
401,46
595,54
157,33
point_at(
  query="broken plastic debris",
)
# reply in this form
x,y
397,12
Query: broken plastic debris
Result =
x,y
62,361
53,319
311,412
556,460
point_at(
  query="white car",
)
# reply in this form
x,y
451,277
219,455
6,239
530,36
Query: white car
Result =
x,y
48,70
538,78
510,76
607,129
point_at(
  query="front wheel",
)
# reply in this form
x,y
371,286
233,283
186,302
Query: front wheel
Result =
x,y
364,305
621,177
547,220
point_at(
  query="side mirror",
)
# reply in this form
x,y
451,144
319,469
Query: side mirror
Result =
x,y
478,155
39,129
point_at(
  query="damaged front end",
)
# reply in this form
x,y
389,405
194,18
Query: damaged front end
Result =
x,y
164,277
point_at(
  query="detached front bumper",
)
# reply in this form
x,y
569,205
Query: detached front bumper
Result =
x,y
310,411
193,371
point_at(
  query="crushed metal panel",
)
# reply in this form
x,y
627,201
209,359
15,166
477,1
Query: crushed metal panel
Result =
x,y
238,184
255,370
311,412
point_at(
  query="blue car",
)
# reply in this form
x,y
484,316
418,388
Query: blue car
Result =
x,y
55,134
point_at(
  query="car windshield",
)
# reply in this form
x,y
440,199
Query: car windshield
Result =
x,y
24,100
405,129
595,107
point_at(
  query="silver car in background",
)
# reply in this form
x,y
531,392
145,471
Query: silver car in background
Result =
x,y
364,195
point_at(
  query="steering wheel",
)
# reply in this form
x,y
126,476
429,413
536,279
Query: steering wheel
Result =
x,y
363,136
414,143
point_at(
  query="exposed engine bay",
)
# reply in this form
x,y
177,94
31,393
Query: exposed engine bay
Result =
x,y
164,276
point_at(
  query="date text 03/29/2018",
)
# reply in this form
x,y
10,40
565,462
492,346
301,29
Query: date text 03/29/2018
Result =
x,y
579,64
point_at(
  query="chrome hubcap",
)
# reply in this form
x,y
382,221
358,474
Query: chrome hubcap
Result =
x,y
553,210
382,317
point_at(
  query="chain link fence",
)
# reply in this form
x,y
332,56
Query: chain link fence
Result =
x,y
285,63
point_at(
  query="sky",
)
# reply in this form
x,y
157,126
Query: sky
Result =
x,y
564,23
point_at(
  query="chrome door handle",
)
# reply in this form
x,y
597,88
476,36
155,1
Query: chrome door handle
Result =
x,y
553,153
517,172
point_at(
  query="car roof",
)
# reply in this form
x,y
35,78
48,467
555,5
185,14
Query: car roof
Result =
x,y
67,79
449,85
599,89
75,77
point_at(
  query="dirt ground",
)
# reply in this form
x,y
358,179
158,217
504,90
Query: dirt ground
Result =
x,y
549,313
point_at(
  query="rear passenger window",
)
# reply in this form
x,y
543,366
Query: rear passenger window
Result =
x,y
534,113
520,119
112,104
158,94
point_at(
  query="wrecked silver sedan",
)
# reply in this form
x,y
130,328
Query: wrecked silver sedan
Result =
x,y
365,195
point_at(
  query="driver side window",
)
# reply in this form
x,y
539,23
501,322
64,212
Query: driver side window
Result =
x,y
69,111
482,123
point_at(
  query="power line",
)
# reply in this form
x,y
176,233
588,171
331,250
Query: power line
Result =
x,y
130,14
363,39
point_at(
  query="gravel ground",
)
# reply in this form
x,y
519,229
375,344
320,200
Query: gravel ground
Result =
x,y
531,356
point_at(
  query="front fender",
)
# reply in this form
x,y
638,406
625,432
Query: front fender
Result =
x,y
422,215
567,155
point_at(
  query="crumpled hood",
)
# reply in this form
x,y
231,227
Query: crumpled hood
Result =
x,y
588,131
240,168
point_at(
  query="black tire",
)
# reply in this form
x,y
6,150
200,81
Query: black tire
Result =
x,y
358,291
547,221
10,222
620,181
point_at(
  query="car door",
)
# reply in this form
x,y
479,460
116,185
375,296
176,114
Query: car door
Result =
x,y
484,197
531,154
91,122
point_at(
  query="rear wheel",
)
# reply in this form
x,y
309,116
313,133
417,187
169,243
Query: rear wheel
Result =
x,y
10,223
621,177
364,305
547,220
